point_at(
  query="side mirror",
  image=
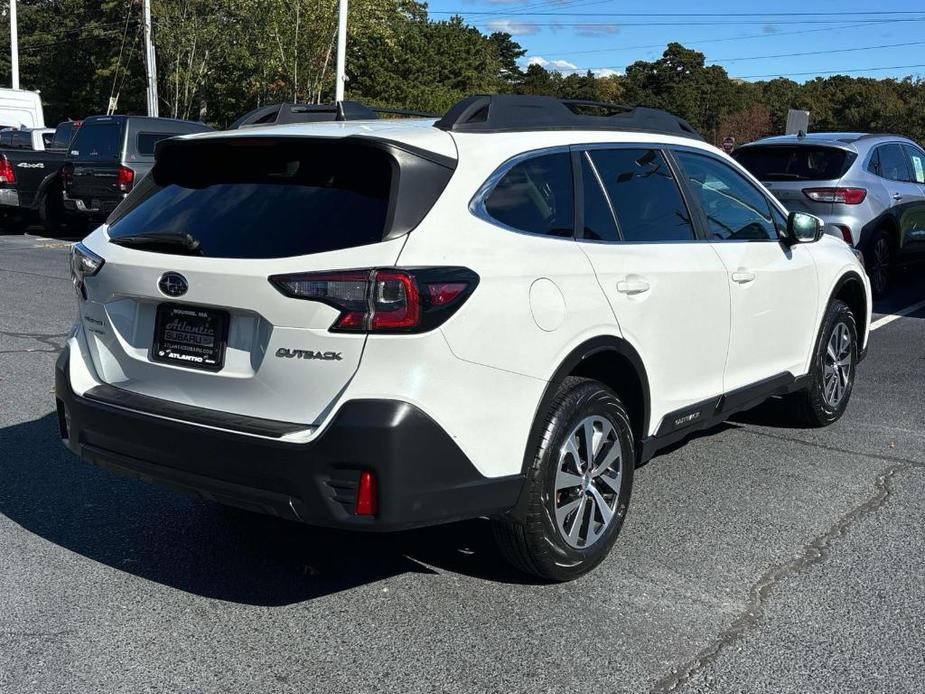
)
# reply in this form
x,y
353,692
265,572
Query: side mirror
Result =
x,y
803,227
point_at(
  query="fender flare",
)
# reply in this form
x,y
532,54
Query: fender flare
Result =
x,y
845,278
587,349
46,183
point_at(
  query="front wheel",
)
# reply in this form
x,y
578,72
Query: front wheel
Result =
x,y
833,368
577,488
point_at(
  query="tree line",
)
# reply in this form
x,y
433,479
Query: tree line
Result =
x,y
218,59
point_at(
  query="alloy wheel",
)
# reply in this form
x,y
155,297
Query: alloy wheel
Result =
x,y
587,487
836,366
880,265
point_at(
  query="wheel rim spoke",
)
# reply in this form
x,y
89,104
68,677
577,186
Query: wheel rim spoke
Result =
x,y
836,367
588,480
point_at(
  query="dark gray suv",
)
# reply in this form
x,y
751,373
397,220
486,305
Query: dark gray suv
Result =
x,y
869,189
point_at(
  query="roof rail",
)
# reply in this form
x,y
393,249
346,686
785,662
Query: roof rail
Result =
x,y
513,112
280,114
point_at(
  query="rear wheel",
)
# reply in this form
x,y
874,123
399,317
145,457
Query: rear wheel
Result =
x,y
578,487
51,214
832,375
880,261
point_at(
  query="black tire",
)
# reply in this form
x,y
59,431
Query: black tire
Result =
x,y
537,546
880,262
813,406
51,214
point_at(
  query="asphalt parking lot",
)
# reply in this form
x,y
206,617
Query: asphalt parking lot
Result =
x,y
756,558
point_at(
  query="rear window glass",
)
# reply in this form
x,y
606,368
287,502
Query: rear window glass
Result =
x,y
247,199
100,141
795,163
147,141
536,196
63,135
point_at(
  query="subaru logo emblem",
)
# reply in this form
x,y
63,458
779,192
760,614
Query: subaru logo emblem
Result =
x,y
173,284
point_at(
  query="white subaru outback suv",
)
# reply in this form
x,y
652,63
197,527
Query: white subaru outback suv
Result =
x,y
381,325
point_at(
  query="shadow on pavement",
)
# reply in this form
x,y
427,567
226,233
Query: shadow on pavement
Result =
x,y
202,548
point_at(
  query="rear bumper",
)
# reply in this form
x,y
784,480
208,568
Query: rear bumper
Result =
x,y
9,197
423,478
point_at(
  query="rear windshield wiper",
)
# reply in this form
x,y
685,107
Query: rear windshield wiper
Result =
x,y
164,239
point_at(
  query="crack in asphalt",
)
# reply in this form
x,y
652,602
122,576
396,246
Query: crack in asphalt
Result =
x,y
53,341
812,553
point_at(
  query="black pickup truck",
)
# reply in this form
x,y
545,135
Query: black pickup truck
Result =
x,y
30,179
109,155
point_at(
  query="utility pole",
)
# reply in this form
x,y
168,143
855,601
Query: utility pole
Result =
x,y
341,52
14,45
150,65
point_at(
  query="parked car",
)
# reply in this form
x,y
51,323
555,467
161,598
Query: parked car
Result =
x,y
869,189
109,155
34,139
381,325
20,108
30,183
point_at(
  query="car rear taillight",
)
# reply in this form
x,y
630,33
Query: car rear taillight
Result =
x,y
847,196
386,300
67,175
7,174
845,233
124,178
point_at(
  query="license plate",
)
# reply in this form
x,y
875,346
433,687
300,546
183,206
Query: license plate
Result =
x,y
190,336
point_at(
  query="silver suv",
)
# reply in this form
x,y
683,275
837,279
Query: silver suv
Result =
x,y
869,189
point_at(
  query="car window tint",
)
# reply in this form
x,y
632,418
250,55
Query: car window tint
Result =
x,y
734,208
794,162
916,163
874,164
22,140
893,163
98,141
599,224
147,142
536,196
644,195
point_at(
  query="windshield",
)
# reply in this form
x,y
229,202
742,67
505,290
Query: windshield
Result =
x,y
251,199
795,162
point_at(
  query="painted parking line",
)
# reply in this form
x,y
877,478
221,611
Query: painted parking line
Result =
x,y
886,320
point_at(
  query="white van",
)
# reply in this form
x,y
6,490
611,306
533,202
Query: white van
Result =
x,y
20,108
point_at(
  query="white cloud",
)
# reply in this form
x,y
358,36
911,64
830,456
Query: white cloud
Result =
x,y
513,27
596,29
606,72
557,65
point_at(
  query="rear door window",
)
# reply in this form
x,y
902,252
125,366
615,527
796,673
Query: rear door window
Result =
x,y
735,210
916,163
98,141
795,162
599,224
536,196
644,195
247,199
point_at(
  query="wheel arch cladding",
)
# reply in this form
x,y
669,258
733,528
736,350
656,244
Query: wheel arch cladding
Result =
x,y
850,289
613,362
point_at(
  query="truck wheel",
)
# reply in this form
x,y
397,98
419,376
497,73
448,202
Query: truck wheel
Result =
x,y
578,487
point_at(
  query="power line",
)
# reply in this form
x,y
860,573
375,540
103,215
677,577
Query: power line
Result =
x,y
833,72
828,52
689,24
658,15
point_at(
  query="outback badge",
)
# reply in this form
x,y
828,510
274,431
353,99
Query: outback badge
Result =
x,y
283,352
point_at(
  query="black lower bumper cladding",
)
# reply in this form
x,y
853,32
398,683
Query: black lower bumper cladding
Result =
x,y
423,477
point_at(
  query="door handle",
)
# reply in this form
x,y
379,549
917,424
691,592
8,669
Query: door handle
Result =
x,y
632,286
897,196
743,276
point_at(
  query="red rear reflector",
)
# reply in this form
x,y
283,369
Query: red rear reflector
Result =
x,y
846,196
367,502
7,174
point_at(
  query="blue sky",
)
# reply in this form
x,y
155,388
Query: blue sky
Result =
x,y
604,35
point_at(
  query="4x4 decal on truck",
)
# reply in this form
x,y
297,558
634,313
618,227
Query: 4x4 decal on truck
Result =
x,y
307,354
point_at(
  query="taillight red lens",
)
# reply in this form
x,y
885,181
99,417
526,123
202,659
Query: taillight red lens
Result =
x,y
124,178
384,300
367,503
7,174
847,196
